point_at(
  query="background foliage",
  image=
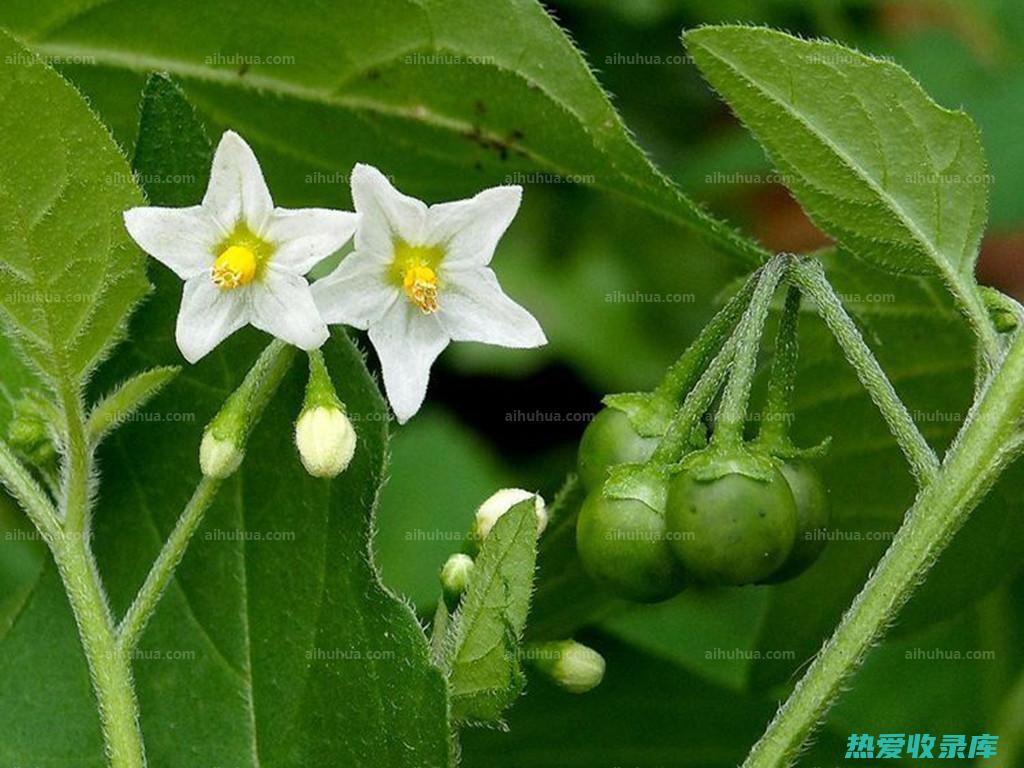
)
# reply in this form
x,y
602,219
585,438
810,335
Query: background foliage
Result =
x,y
446,102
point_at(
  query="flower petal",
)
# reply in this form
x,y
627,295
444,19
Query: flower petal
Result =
x,y
282,305
407,343
385,213
469,230
180,238
207,316
474,308
237,191
306,236
357,293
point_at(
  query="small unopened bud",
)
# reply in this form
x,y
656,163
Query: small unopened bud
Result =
x,y
455,577
326,441
28,432
1004,311
323,433
570,665
28,435
225,438
500,503
219,457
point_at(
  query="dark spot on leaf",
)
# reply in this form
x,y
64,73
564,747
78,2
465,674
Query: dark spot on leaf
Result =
x,y
498,146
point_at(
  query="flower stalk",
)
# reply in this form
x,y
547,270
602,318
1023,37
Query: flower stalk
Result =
x,y
778,404
810,277
732,414
223,446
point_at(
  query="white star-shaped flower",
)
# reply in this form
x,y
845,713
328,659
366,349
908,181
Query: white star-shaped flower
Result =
x,y
242,259
418,279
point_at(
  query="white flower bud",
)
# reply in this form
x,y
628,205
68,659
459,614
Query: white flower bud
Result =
x,y
455,576
219,458
570,665
326,441
500,503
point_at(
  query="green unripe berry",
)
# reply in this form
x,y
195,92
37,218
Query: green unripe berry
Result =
x,y
729,528
610,440
812,518
621,543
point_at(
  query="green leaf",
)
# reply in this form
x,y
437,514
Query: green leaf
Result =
x,y
484,671
896,179
17,377
275,644
420,89
22,555
69,275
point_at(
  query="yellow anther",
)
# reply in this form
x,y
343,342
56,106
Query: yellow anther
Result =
x,y
235,267
420,284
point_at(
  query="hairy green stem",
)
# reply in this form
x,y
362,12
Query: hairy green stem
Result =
x,y
985,445
109,668
778,400
108,648
77,466
680,431
810,276
973,307
109,664
125,400
16,478
240,414
732,414
685,371
159,576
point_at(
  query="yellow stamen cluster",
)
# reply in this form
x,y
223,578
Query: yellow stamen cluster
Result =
x,y
235,267
414,269
420,284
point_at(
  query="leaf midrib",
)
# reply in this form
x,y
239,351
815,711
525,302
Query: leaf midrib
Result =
x,y
252,82
652,189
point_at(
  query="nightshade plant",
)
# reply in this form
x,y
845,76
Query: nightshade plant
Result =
x,y
673,490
